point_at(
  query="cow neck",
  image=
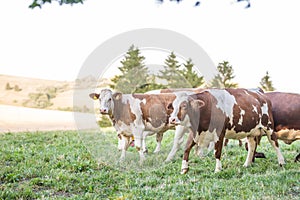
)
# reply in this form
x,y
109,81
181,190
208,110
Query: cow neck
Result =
x,y
112,118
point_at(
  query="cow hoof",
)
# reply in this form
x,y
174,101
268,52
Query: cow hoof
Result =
x,y
218,170
141,162
259,155
281,164
156,151
297,159
184,171
246,165
145,151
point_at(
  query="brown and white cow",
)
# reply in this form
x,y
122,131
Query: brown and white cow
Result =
x,y
180,130
232,113
137,115
286,114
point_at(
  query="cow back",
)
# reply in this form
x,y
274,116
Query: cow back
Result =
x,y
154,108
285,109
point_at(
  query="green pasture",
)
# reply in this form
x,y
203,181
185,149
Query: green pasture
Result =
x,y
85,165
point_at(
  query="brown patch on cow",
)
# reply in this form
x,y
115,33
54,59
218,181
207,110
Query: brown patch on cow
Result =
x,y
183,110
202,112
285,109
155,108
122,111
274,138
265,120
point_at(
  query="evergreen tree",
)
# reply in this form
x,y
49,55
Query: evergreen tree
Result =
x,y
224,77
134,73
191,76
266,83
172,73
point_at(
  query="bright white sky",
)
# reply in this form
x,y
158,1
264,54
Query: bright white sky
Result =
x,y
53,42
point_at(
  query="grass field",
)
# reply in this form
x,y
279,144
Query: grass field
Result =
x,y
72,165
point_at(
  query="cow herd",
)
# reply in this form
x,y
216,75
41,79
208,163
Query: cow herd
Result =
x,y
208,116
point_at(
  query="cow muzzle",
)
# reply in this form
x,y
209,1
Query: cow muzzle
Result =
x,y
103,110
174,121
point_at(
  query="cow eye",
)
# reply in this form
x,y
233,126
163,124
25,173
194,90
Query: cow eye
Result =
x,y
109,99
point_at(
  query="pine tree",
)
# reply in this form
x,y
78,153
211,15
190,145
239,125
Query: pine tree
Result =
x,y
191,76
266,83
172,73
134,73
224,77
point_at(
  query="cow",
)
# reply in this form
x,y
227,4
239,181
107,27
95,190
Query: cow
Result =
x,y
286,115
214,114
137,115
180,130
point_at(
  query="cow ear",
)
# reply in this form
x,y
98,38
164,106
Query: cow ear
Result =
x,y
117,95
197,103
170,106
94,96
260,90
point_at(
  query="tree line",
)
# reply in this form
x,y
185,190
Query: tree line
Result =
x,y
136,78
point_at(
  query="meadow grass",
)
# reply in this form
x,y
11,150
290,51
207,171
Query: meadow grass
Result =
x,y
85,165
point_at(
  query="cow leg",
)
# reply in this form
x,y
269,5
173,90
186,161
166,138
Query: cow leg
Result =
x,y
273,140
256,154
226,142
123,154
178,139
240,143
218,151
259,154
144,147
140,141
199,151
251,149
123,145
159,137
189,145
255,147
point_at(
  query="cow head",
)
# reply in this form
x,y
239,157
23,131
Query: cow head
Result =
x,y
105,100
182,106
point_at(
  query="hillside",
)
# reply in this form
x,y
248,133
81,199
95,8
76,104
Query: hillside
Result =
x,y
45,94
